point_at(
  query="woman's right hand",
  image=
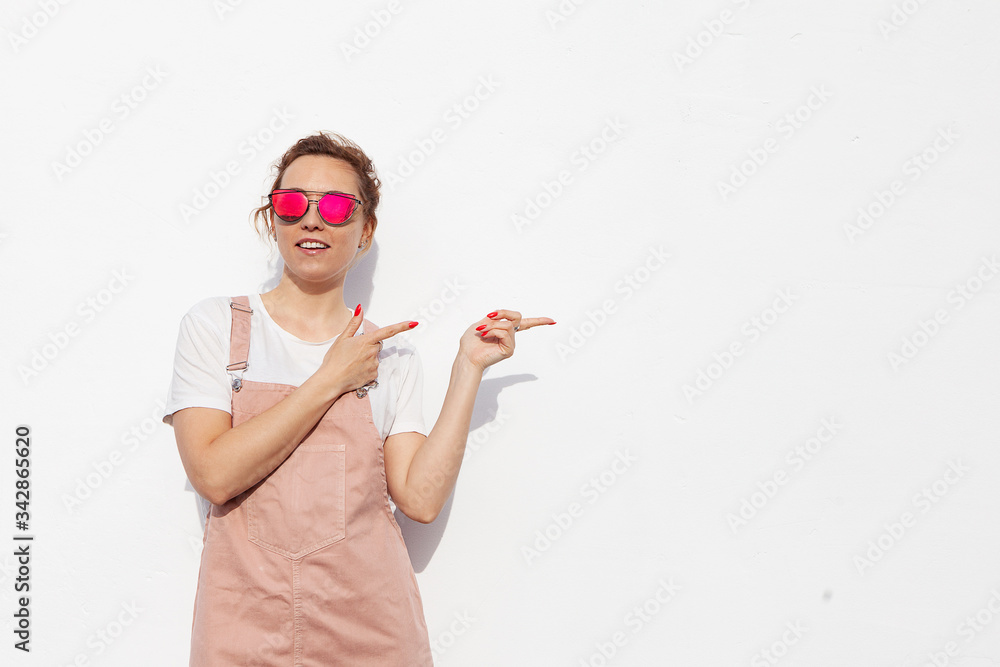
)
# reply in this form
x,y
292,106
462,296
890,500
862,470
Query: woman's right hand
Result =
x,y
352,361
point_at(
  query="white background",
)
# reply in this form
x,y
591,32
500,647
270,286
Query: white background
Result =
x,y
826,551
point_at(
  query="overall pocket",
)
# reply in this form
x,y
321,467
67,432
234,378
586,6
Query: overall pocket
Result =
x,y
299,507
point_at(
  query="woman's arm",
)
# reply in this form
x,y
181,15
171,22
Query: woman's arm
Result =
x,y
222,462
421,471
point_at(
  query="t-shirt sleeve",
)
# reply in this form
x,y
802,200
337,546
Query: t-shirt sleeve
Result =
x,y
409,404
200,379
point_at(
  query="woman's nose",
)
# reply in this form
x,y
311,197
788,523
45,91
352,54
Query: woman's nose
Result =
x,y
311,219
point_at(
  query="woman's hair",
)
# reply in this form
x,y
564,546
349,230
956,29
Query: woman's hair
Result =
x,y
337,147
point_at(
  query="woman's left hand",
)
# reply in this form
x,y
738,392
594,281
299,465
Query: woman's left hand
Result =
x,y
491,339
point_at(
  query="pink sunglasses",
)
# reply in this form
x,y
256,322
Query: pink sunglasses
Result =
x,y
335,208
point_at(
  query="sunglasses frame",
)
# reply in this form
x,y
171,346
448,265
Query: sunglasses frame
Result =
x,y
354,209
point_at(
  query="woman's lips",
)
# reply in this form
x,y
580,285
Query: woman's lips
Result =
x,y
311,246
311,251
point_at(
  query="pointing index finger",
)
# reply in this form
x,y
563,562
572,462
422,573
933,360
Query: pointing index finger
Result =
x,y
391,330
528,322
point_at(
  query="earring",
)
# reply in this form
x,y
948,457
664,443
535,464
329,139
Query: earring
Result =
x,y
363,244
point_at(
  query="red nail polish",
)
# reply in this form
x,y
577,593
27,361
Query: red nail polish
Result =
x,y
480,327
484,333
413,324
493,314
551,322
357,310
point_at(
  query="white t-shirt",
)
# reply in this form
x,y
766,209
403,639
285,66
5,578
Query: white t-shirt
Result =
x,y
200,378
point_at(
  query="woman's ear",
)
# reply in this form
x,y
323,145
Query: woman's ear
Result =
x,y
368,233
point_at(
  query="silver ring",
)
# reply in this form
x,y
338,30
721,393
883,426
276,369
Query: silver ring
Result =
x,y
516,327
363,391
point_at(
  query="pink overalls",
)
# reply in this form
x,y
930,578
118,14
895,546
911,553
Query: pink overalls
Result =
x,y
308,567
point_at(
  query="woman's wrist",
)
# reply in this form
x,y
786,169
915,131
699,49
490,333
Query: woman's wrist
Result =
x,y
329,388
463,369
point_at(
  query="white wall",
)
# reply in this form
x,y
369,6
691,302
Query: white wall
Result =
x,y
876,87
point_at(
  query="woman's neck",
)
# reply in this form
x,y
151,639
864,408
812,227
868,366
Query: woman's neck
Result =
x,y
313,314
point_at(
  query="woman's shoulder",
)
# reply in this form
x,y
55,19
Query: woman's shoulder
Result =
x,y
213,310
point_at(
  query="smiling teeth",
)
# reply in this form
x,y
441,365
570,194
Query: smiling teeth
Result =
x,y
312,244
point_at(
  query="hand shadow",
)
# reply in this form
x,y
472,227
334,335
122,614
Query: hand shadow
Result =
x,y
422,539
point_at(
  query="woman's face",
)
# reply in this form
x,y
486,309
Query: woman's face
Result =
x,y
327,266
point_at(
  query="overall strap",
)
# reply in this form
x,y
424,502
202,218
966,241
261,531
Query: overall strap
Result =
x,y
239,339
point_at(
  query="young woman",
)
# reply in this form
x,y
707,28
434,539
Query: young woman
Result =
x,y
297,419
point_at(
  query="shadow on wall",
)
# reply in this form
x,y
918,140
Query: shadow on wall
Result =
x,y
358,286
360,282
422,539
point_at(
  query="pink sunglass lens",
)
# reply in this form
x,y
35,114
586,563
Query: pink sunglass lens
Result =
x,y
335,209
289,204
